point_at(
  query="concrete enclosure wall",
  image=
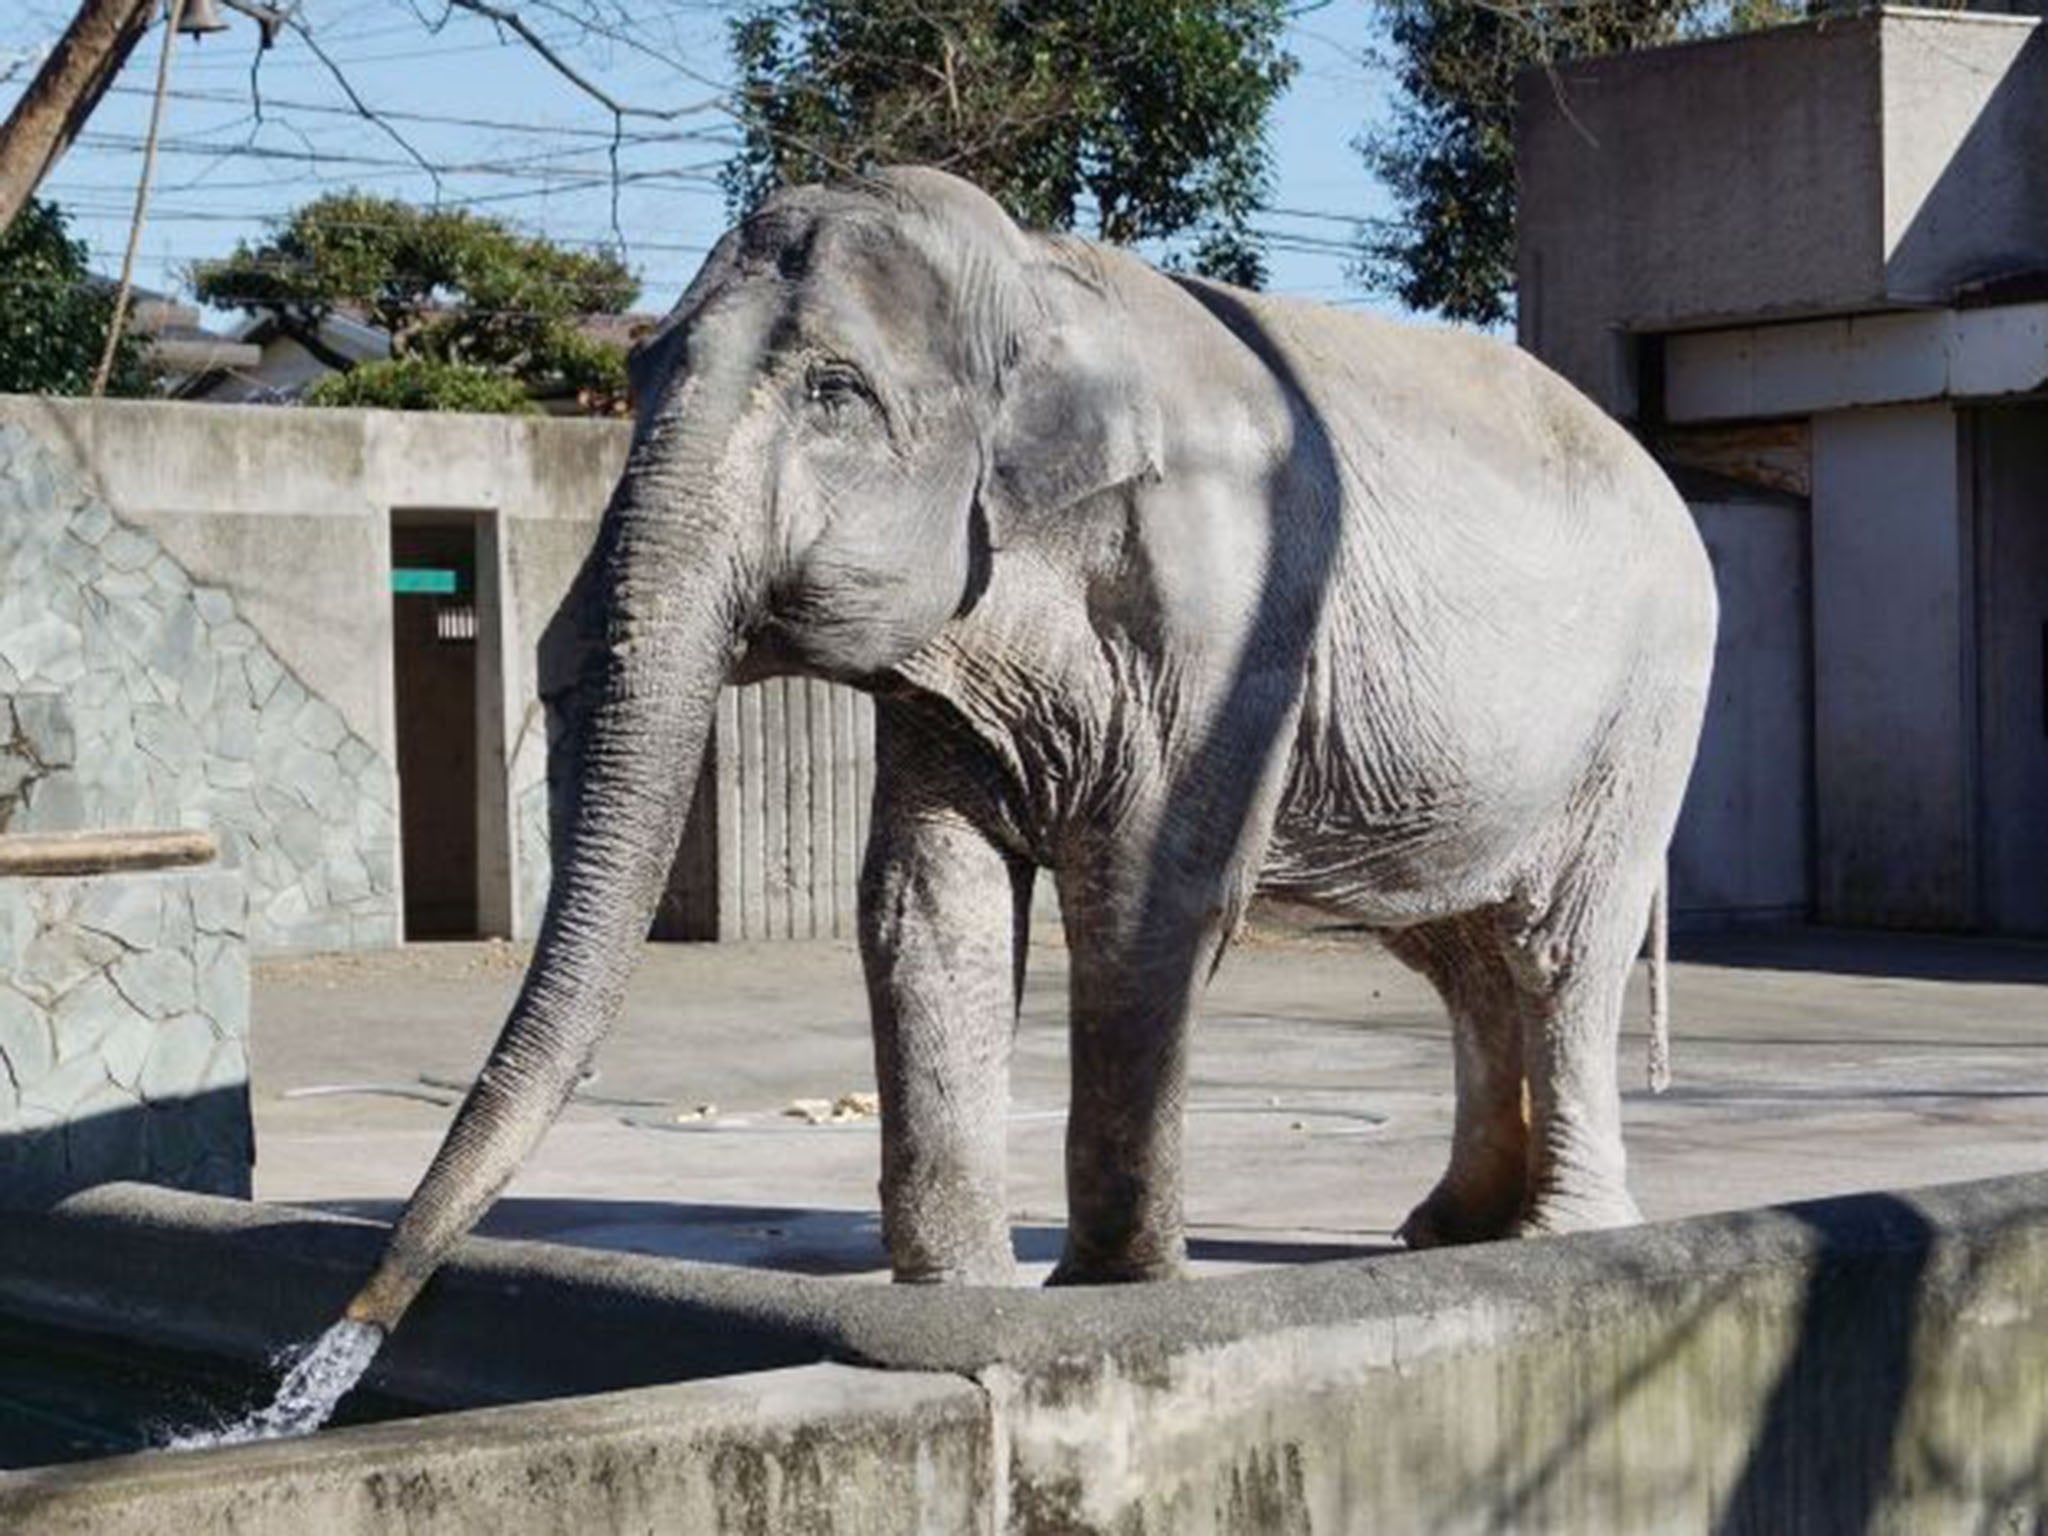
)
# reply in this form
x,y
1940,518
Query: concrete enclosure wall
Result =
x,y
124,1033
142,695
1966,177
291,511
199,629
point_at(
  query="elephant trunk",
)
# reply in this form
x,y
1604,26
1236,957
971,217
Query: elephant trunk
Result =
x,y
673,603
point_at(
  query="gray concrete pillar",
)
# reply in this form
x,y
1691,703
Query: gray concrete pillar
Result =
x,y
1894,687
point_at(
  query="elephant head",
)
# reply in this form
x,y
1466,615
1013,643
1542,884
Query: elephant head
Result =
x,y
856,395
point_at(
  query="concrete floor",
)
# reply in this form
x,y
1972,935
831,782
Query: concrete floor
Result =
x,y
1806,1065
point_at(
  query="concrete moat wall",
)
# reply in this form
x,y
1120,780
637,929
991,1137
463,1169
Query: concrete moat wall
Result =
x,y
124,1033
1874,1363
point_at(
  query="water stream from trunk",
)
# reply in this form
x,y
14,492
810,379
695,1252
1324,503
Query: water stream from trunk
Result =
x,y
316,1382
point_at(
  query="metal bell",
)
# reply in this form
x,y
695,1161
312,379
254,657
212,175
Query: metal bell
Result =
x,y
200,18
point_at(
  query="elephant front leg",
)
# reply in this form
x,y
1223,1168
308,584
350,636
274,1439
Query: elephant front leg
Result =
x,y
943,925
1133,988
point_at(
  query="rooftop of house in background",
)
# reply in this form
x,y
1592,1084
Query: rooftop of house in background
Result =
x,y
262,363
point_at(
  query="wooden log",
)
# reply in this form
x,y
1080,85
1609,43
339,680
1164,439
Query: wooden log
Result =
x,y
102,852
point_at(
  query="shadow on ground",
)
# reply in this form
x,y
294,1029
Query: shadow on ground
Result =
x,y
1900,956
795,1239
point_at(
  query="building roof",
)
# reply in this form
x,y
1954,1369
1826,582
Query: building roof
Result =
x,y
176,341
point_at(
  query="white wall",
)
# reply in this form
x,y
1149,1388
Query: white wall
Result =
x,y
1743,847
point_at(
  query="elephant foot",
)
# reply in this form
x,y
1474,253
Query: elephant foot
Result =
x,y
988,1260
1555,1215
1447,1220
959,1274
1096,1269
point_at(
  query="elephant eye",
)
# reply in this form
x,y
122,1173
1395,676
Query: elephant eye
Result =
x,y
832,384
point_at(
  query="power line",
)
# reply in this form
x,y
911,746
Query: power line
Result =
x,y
512,167
214,216
602,136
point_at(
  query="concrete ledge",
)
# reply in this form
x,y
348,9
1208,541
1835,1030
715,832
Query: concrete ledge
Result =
x,y
1796,369
818,1449
1875,1362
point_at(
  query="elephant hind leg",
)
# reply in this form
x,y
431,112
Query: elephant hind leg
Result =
x,y
1485,1191
1574,967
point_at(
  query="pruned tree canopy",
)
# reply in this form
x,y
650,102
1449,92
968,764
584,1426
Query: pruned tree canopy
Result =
x,y
1448,152
1136,119
454,291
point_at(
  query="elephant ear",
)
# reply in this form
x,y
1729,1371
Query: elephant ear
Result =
x,y
1075,414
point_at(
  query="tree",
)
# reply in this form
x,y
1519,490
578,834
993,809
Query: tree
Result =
x,y
1448,153
423,384
464,298
1146,117
54,315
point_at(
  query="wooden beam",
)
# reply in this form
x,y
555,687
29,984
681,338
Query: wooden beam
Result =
x,y
99,853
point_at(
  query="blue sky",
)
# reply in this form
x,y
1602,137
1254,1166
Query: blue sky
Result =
x,y
507,135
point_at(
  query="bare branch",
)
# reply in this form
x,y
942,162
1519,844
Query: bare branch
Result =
x,y
363,109
517,24
526,32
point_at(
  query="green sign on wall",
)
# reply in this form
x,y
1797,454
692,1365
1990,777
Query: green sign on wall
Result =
x,y
424,581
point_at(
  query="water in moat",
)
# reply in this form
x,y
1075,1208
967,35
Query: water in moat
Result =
x,y
313,1388
68,1396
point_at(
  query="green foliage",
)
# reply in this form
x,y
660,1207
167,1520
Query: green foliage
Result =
x,y
1448,153
453,289
1147,116
424,384
53,319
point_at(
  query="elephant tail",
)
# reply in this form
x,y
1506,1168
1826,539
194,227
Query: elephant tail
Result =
x,y
1660,984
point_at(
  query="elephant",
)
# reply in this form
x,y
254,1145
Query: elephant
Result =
x,y
1178,592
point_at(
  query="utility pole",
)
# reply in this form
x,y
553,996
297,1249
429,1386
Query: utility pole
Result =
x,y
63,94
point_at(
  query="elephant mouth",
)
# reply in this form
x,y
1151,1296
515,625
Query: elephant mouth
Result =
x,y
789,641
767,650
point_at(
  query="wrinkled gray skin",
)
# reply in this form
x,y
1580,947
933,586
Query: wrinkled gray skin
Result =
x,y
1173,591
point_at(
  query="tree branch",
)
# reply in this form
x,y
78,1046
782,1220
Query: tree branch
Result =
x,y
363,110
513,22
63,94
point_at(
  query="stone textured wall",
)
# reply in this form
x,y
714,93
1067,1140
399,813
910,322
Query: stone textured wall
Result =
x,y
135,698
124,1031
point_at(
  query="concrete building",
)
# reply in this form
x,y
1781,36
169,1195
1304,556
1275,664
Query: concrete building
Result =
x,y
1810,266
318,634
